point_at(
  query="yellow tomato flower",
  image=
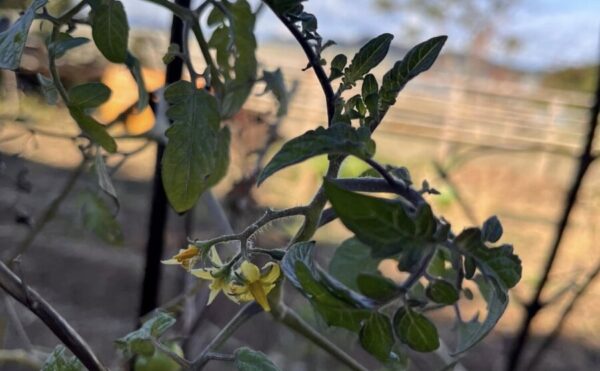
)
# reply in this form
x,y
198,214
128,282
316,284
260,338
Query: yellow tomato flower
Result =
x,y
256,285
186,257
219,279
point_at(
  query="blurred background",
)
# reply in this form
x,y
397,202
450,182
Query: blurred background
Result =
x,y
495,126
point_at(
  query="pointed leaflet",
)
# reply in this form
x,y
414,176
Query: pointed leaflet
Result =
x,y
136,71
140,341
419,59
104,180
97,218
337,139
65,42
197,154
89,95
48,89
369,56
93,129
110,30
382,224
12,41
247,359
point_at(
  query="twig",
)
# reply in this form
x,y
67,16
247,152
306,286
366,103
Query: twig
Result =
x,y
468,211
314,61
550,338
51,318
292,320
535,305
174,356
247,312
48,214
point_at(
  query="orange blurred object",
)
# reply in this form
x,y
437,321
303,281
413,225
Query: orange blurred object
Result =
x,y
125,95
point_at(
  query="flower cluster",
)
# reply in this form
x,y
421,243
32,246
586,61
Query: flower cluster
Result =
x,y
245,283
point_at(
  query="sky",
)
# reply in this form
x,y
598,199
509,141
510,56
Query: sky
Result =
x,y
552,33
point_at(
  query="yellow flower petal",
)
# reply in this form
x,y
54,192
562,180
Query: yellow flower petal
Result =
x,y
190,252
204,274
250,271
214,257
257,290
170,262
272,275
213,294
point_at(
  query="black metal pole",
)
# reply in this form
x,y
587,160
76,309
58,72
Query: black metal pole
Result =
x,y
159,207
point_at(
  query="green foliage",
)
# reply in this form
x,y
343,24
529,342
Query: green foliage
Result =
x,y
197,154
377,287
48,89
377,337
12,41
369,56
140,341
275,83
110,30
415,330
136,71
65,42
442,292
247,359
89,95
419,59
97,217
93,129
59,361
337,139
159,361
351,258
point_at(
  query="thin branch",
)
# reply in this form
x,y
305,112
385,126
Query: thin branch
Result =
x,y
315,62
585,160
48,214
292,320
51,318
268,217
467,210
399,187
247,312
580,292
174,356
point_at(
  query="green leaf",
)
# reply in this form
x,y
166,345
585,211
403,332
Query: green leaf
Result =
x,y
369,86
442,292
97,218
247,359
140,341
337,139
377,337
240,42
300,251
415,330
88,95
425,222
499,263
472,332
382,224
350,259
136,71
377,287
93,129
334,311
65,42
419,59
369,56
104,181
492,229
337,66
110,30
48,89
276,84
12,41
59,361
198,151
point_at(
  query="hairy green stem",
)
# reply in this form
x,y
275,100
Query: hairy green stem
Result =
x,y
292,320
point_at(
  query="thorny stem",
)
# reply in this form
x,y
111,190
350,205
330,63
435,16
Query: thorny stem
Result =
x,y
47,214
15,287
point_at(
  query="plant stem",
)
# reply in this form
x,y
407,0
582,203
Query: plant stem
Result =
x,y
585,160
247,312
48,214
51,318
315,62
292,320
